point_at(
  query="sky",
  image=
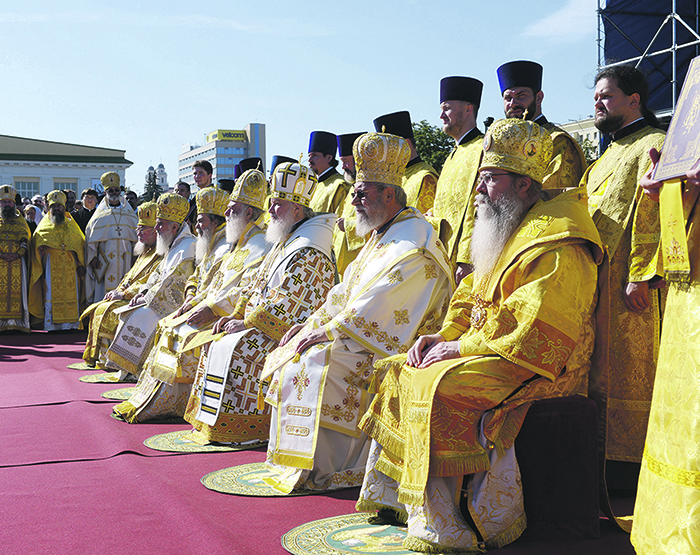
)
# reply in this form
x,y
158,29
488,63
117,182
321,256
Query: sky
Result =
x,y
148,77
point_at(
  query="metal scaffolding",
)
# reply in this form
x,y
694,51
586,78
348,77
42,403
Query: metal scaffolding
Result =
x,y
646,34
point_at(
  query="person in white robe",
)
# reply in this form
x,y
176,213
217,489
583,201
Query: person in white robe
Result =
x,y
110,237
397,288
163,293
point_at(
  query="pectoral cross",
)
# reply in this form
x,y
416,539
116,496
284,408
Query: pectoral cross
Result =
x,y
118,229
63,246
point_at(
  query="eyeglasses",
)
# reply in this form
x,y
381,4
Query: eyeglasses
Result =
x,y
487,177
359,195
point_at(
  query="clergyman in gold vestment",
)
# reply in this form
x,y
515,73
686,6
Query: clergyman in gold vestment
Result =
x,y
519,328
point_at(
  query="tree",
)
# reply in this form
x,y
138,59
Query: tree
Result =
x,y
590,150
152,190
432,144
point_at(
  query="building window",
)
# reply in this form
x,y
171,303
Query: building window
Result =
x,y
27,188
64,184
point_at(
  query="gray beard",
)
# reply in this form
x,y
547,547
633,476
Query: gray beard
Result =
x,y
113,200
349,177
495,223
163,242
278,230
374,217
235,226
204,244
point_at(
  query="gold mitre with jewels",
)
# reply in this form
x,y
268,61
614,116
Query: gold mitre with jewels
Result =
x,y
381,158
110,179
56,197
172,207
212,201
293,182
8,192
518,146
147,214
250,189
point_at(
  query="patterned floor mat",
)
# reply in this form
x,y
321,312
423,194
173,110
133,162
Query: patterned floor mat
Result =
x,y
121,394
104,377
80,366
246,479
184,441
345,535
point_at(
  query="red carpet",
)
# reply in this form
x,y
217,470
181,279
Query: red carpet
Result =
x,y
74,480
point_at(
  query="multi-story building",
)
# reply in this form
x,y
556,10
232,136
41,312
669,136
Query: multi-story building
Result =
x,y
223,149
161,176
36,167
586,134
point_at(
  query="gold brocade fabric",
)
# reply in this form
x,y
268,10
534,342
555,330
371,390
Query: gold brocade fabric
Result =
x,y
420,184
14,239
568,161
330,194
103,321
628,222
667,509
66,244
454,198
539,321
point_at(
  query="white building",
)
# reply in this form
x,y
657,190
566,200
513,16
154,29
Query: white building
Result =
x,y
161,176
584,130
36,167
223,149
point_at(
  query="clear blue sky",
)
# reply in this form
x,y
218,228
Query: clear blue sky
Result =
x,y
149,76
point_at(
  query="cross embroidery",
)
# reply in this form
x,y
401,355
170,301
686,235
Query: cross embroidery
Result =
x,y
111,256
228,406
237,372
279,310
287,171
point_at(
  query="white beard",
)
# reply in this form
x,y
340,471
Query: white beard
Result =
x,y
373,218
278,230
235,226
495,223
203,245
139,248
164,241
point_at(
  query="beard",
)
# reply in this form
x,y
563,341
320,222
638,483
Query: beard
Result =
x,y
163,242
203,245
8,213
373,217
528,114
495,223
350,176
278,230
113,199
235,226
58,218
139,248
608,123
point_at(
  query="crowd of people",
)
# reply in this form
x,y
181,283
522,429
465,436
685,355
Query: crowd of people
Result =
x,y
388,327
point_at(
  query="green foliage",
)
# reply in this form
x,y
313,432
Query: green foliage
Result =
x,y
590,150
432,144
152,190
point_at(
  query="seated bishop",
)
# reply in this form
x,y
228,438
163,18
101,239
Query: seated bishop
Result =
x,y
519,328
162,294
103,320
164,386
14,242
291,283
397,288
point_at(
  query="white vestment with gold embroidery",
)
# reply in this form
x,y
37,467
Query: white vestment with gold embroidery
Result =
x,y
110,236
396,289
164,293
